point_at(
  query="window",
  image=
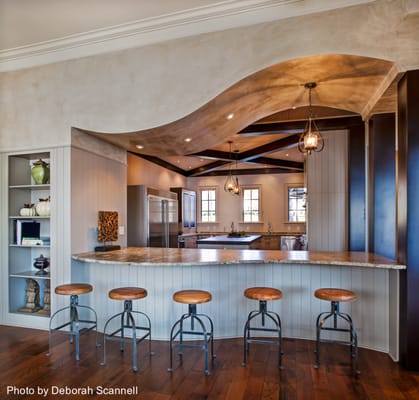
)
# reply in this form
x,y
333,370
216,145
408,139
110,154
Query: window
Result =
x,y
296,203
208,204
251,204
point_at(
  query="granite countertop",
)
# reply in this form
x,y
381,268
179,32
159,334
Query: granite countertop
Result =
x,y
225,239
173,256
285,233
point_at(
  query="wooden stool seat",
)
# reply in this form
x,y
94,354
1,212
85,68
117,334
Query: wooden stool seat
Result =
x,y
73,289
127,293
333,294
192,296
263,293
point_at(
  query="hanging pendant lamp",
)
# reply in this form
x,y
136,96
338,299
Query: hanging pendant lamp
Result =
x,y
311,139
231,184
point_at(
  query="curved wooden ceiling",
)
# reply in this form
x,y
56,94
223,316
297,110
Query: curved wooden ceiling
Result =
x,y
346,82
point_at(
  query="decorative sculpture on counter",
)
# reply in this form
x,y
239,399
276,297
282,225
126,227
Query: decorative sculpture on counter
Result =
x,y
31,297
107,230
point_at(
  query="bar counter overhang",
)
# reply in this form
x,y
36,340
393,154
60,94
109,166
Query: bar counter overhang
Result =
x,y
226,273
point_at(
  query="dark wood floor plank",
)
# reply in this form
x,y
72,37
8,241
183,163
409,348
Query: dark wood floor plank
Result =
x,y
25,365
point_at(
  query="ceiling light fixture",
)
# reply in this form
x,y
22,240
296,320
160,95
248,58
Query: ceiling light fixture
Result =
x,y
188,139
139,146
230,116
231,184
311,139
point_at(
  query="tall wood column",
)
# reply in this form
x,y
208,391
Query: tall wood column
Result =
x,y
356,234
408,217
383,185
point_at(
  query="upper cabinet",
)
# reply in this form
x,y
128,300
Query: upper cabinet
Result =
x,y
187,210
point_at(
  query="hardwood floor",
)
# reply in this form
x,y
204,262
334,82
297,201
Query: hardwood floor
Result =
x,y
24,366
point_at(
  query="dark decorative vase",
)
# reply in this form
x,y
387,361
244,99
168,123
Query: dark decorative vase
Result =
x,y
42,263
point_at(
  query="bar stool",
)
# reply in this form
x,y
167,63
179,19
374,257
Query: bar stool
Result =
x,y
335,296
74,290
127,321
192,298
262,294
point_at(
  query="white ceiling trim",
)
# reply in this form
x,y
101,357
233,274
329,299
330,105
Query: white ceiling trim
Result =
x,y
221,16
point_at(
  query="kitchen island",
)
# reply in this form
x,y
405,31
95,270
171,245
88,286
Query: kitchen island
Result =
x,y
227,242
227,273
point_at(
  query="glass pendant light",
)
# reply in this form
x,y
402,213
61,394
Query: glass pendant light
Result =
x,y
311,139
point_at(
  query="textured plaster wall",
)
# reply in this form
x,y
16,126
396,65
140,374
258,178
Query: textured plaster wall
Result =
x,y
149,86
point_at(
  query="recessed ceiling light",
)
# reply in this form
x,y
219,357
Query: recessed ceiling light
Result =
x,y
201,159
139,146
188,139
286,154
230,116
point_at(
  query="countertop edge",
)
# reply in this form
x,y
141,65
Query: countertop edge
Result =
x,y
196,257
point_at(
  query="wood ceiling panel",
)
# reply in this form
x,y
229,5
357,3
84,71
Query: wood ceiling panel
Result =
x,y
270,109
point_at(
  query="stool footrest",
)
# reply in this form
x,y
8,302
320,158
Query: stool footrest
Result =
x,y
73,323
206,334
335,315
264,315
127,321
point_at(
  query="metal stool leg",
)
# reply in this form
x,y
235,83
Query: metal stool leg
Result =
x,y
73,323
336,315
264,313
208,336
127,321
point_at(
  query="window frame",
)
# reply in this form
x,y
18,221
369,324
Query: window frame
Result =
x,y
208,188
287,202
252,187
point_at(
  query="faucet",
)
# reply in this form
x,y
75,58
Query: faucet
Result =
x,y
232,226
269,228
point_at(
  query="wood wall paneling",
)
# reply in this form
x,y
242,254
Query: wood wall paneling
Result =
x,y
356,212
97,183
383,137
408,216
229,308
327,189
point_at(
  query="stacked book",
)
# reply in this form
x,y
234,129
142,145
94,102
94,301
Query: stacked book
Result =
x,y
27,233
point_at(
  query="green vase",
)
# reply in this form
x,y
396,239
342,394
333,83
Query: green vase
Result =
x,y
40,172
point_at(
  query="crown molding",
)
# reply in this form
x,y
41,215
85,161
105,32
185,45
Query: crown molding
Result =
x,y
216,17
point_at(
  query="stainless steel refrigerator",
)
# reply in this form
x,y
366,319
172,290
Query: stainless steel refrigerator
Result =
x,y
152,217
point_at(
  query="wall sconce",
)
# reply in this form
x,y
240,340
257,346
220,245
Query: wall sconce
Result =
x,y
311,139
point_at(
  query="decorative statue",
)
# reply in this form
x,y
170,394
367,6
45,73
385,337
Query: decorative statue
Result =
x,y
31,297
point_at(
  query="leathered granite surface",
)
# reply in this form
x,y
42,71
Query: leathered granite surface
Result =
x,y
162,256
225,239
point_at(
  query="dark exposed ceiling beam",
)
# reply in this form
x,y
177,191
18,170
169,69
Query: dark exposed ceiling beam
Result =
x,y
204,169
290,165
160,162
214,155
292,127
252,171
257,154
268,148
280,144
